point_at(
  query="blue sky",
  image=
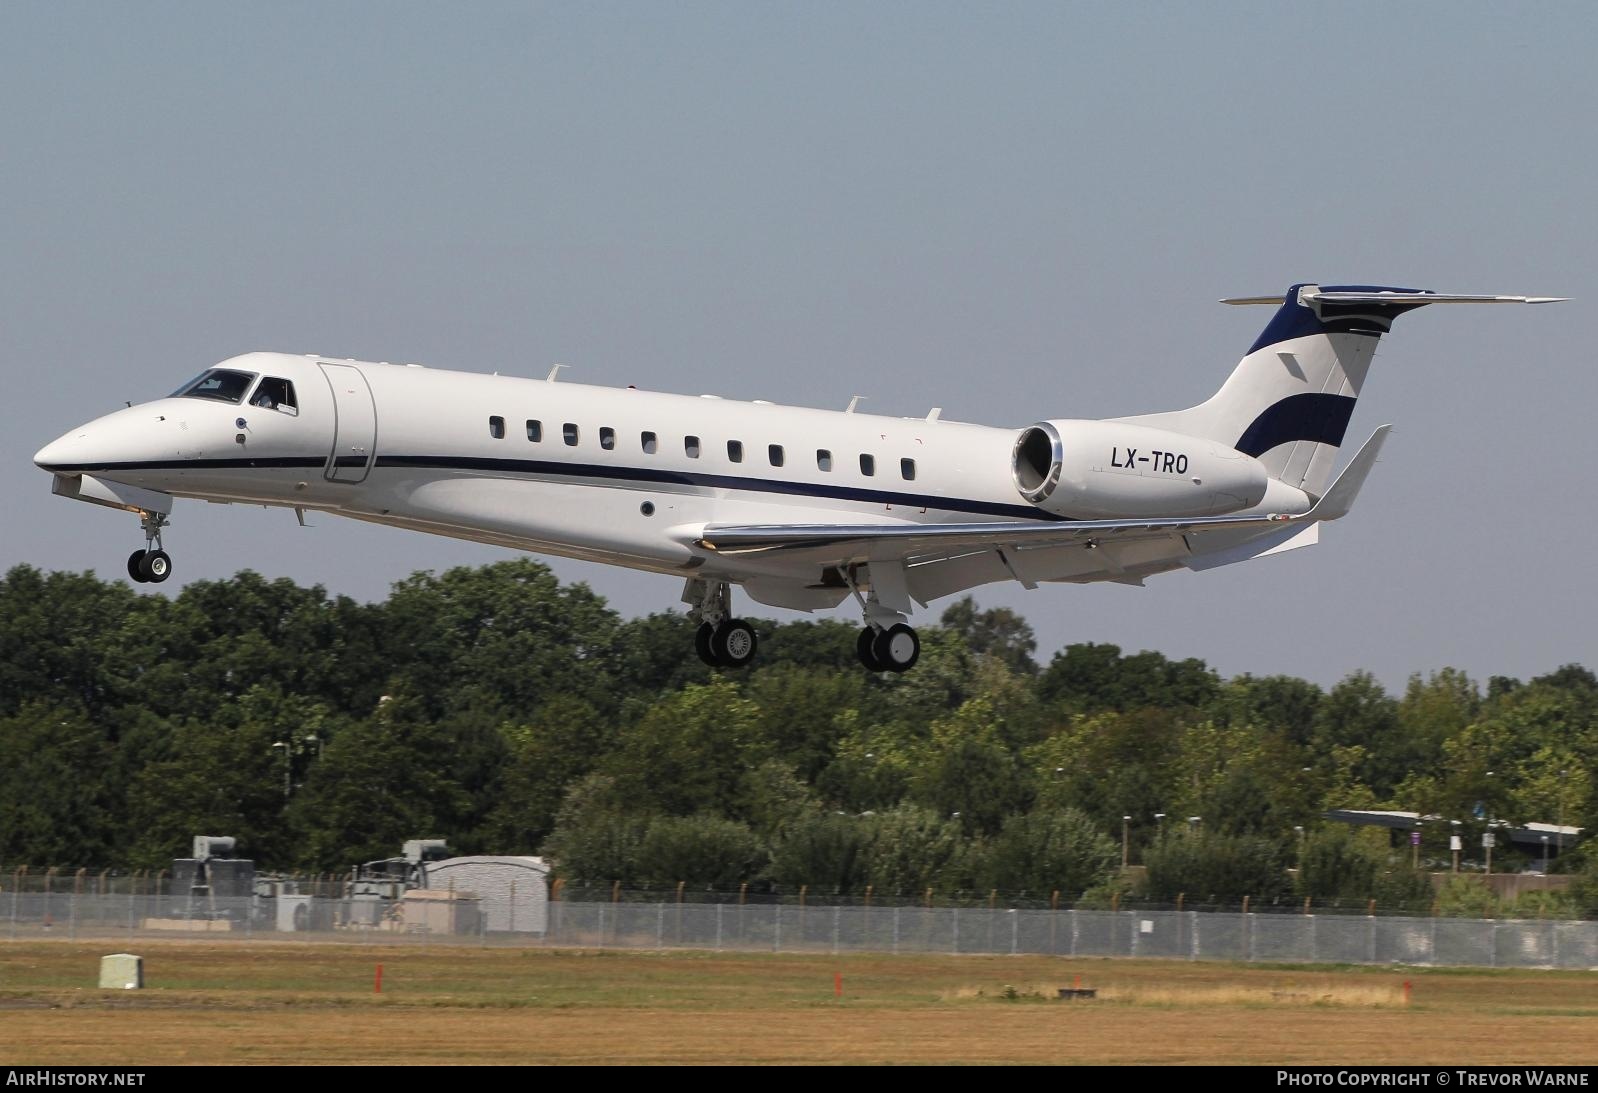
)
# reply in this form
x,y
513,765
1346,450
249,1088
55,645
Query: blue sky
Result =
x,y
1008,210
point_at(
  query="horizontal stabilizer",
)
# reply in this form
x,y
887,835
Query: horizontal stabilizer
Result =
x,y
1343,296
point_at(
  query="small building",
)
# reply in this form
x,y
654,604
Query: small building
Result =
x,y
514,891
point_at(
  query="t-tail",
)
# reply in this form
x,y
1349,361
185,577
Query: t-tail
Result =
x,y
1289,400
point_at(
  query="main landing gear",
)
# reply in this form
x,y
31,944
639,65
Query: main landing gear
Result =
x,y
152,565
721,641
893,648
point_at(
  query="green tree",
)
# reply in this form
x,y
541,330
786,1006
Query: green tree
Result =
x,y
688,752
1090,677
544,756
997,632
597,839
1042,852
702,852
379,782
911,849
826,852
967,771
1211,868
54,808
504,638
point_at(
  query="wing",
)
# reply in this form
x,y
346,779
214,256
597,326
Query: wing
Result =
x,y
839,544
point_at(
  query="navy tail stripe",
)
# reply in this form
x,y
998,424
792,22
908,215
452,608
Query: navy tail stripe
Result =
x,y
1319,418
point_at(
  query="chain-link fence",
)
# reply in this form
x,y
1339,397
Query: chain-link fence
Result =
x,y
457,918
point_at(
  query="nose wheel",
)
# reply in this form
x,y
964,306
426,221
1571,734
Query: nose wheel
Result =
x,y
152,565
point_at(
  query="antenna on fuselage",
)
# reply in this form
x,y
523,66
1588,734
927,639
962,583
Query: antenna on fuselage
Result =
x,y
555,371
856,401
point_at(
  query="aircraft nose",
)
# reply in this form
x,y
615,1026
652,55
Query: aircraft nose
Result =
x,y
63,451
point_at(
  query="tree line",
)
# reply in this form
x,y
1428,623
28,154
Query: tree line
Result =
x,y
509,713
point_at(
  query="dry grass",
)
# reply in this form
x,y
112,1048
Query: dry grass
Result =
x,y
276,1002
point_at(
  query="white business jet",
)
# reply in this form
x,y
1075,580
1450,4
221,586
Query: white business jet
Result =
x,y
800,508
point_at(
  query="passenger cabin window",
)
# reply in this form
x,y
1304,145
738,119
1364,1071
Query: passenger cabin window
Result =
x,y
568,433
735,451
690,444
220,384
868,465
774,453
535,431
276,394
607,439
823,459
907,469
496,427
649,443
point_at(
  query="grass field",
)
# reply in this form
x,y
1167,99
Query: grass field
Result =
x,y
277,1003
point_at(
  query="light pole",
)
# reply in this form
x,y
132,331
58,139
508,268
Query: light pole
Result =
x,y
287,765
1454,844
1125,822
1298,829
1560,834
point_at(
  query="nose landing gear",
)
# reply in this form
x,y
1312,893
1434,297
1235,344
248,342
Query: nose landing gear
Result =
x,y
152,565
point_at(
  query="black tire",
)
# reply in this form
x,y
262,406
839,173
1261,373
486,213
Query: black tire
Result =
x,y
734,643
864,649
897,648
702,645
135,560
156,566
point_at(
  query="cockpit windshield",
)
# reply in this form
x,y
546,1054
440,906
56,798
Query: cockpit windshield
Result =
x,y
221,384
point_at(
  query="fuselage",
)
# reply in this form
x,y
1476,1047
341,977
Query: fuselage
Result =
x,y
621,476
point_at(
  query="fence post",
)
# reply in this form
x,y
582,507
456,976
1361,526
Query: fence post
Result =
x,y
49,874
718,925
1054,919
896,928
77,891
837,910
1248,933
16,888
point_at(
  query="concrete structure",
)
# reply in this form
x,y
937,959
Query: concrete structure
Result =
x,y
121,971
514,890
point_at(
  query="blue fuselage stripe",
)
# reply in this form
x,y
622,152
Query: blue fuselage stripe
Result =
x,y
624,474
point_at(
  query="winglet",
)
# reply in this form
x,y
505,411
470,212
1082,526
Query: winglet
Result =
x,y
1339,499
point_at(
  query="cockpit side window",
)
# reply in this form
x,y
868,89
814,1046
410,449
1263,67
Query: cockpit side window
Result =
x,y
220,384
276,394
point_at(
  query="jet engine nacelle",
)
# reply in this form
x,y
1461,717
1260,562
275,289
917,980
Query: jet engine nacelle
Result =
x,y
1106,470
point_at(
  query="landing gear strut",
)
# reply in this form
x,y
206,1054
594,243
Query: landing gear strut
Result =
x,y
887,643
721,641
152,565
